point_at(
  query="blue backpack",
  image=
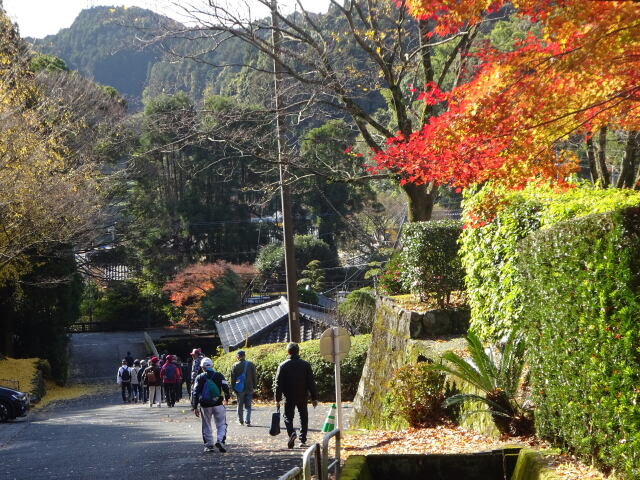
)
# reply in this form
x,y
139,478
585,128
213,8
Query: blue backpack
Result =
x,y
170,373
210,392
239,386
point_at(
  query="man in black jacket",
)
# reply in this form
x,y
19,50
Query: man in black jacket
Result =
x,y
294,379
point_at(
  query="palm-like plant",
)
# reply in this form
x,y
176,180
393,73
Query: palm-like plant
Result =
x,y
499,381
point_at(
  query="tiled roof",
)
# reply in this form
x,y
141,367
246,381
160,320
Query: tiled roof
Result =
x,y
267,323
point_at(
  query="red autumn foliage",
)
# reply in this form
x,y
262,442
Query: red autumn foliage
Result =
x,y
190,285
582,74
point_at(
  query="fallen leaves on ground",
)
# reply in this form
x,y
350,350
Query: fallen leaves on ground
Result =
x,y
20,370
450,439
55,392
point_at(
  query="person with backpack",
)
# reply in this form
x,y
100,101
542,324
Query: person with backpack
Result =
x,y
151,378
209,398
144,390
135,381
294,379
123,378
243,380
185,371
170,375
196,355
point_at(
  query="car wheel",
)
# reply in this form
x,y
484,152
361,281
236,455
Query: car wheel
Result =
x,y
5,411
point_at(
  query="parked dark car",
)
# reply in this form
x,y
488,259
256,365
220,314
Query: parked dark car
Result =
x,y
12,404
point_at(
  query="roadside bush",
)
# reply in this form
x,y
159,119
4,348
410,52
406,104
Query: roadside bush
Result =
x,y
580,313
489,250
430,262
267,358
416,393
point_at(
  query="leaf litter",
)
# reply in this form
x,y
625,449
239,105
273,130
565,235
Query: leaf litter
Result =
x,y
451,439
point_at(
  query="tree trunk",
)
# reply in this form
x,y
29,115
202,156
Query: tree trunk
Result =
x,y
421,199
597,173
628,167
601,160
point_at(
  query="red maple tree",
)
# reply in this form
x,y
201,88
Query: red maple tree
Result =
x,y
580,75
191,284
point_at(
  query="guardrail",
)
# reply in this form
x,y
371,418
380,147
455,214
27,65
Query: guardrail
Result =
x,y
294,474
318,458
335,464
312,456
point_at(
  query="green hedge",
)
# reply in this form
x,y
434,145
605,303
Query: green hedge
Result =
x,y
582,306
430,262
267,358
489,251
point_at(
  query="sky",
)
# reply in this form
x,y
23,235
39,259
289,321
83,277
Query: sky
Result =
x,y
39,18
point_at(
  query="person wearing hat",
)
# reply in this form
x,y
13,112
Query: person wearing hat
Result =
x,y
151,378
144,390
196,355
170,375
294,380
243,380
210,395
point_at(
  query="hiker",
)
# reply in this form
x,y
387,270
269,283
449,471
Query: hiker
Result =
x,y
170,375
178,387
185,372
129,359
135,381
243,380
151,378
209,397
144,390
294,379
123,378
196,355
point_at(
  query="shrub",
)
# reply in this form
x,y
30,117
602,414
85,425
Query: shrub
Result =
x,y
357,311
416,393
270,259
580,313
489,251
308,296
431,265
267,358
390,280
498,380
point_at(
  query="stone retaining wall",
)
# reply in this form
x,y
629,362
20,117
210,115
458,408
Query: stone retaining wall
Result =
x,y
398,337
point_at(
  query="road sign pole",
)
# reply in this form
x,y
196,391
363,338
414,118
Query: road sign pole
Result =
x,y
334,334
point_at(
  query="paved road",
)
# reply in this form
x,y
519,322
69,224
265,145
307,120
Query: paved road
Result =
x,y
97,356
99,437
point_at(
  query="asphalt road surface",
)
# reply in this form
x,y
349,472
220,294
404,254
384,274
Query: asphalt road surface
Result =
x,y
99,437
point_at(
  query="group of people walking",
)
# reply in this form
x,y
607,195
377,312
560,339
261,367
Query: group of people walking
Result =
x,y
153,379
210,392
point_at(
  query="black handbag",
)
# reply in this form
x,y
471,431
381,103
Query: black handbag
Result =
x,y
275,423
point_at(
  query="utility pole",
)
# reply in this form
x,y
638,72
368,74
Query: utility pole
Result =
x,y
287,218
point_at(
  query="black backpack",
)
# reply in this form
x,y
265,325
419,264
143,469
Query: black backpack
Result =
x,y
125,375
